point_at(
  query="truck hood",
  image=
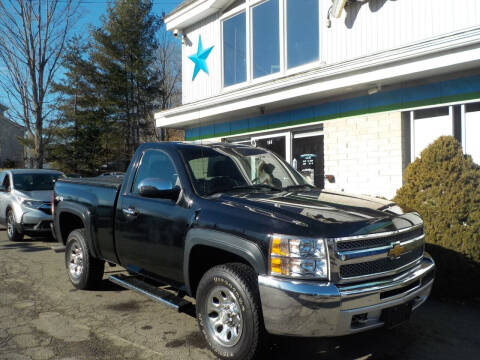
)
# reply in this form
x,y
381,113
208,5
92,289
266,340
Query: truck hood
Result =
x,y
37,195
352,213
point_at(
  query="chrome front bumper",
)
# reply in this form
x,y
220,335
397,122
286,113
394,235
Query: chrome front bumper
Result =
x,y
311,309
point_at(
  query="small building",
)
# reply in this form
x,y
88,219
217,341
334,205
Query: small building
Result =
x,y
356,97
11,150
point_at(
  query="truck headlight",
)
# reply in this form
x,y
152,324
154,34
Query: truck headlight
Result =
x,y
298,257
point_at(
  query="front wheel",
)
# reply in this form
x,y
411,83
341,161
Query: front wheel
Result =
x,y
84,271
12,228
229,313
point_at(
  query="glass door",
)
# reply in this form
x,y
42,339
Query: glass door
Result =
x,y
277,143
308,158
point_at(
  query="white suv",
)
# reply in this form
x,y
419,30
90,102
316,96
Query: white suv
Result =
x,y
25,201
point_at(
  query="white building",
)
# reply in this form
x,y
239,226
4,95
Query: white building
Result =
x,y
358,99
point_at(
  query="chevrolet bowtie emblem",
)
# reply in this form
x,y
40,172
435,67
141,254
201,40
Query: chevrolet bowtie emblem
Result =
x,y
396,251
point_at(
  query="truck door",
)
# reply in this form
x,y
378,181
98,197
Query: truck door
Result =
x,y
150,232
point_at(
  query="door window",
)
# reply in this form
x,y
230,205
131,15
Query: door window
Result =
x,y
6,182
155,164
307,158
274,144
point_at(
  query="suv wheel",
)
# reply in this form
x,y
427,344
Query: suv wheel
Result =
x,y
84,271
229,313
12,228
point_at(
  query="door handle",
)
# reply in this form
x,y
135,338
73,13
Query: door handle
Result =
x,y
130,211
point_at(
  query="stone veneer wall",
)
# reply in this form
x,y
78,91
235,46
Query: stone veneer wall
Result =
x,y
364,153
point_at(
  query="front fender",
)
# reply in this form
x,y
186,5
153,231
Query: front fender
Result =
x,y
246,249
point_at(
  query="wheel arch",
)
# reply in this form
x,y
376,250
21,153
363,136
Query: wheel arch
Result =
x,y
206,248
71,216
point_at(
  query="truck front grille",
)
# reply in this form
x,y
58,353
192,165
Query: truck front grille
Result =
x,y
381,265
378,241
363,257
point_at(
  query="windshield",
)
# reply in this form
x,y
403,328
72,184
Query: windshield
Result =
x,y
223,169
31,182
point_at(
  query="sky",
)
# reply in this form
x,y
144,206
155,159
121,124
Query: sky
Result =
x,y
92,10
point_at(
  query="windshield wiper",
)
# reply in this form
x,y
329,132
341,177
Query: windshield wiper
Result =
x,y
294,187
255,186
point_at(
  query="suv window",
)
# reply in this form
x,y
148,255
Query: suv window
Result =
x,y
6,181
155,164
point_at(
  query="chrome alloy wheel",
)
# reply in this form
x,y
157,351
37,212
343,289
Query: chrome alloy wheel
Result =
x,y
75,260
10,225
224,317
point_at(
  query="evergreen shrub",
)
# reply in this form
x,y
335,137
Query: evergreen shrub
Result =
x,y
443,187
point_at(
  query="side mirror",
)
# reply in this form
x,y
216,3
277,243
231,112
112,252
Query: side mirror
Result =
x,y
158,188
3,188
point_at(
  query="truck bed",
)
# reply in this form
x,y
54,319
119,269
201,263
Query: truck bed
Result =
x,y
97,197
103,181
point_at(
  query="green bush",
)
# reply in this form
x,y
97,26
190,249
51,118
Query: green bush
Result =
x,y
443,187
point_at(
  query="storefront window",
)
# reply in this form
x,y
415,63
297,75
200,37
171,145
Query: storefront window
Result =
x,y
266,44
472,129
234,50
302,32
430,124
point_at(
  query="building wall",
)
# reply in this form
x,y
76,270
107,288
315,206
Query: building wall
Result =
x,y
379,25
10,148
204,85
364,153
365,28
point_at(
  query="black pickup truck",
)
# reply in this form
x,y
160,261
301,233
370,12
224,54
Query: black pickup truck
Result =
x,y
240,231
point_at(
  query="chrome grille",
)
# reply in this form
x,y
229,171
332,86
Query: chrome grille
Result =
x,y
358,258
380,265
378,241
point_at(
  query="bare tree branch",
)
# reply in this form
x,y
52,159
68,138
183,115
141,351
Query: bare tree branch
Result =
x,y
32,41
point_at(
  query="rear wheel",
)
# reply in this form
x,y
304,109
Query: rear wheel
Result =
x,y
12,228
84,271
229,313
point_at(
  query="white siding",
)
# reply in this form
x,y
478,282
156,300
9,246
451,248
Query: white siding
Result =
x,y
204,85
379,25
364,29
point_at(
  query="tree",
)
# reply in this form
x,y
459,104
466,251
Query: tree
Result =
x,y
114,82
443,185
32,39
169,64
124,52
81,133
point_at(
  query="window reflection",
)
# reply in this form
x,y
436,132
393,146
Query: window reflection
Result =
x,y
302,32
266,44
234,50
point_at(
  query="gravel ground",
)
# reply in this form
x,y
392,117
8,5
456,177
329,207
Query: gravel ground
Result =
x,y
43,317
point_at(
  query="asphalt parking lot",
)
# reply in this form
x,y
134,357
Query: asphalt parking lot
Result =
x,y
43,317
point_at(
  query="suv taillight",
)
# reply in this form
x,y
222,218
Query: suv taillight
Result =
x,y
53,202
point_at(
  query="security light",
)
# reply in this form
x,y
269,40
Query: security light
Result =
x,y
337,8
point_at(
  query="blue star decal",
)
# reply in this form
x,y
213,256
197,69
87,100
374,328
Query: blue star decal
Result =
x,y
199,59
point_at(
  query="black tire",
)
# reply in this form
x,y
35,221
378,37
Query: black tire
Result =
x,y
85,271
239,281
12,228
